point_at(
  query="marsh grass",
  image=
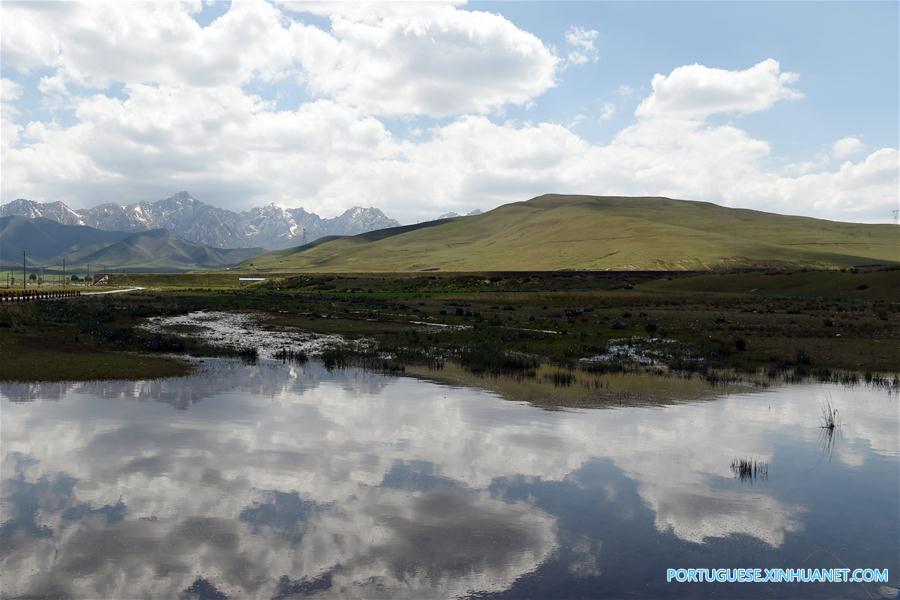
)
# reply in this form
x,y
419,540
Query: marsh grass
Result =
x,y
248,354
341,356
748,469
291,355
562,378
524,319
493,360
829,416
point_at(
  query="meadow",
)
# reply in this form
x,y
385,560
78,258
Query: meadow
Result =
x,y
805,323
559,232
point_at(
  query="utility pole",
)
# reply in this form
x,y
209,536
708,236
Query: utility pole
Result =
x,y
24,277
65,283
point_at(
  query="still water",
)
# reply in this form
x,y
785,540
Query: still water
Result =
x,y
288,481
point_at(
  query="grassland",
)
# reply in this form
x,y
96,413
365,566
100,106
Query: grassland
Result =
x,y
812,323
599,233
44,354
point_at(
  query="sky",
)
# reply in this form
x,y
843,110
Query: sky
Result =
x,y
422,109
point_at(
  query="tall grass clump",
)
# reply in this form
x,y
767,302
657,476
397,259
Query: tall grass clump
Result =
x,y
496,361
829,416
286,355
562,378
749,469
247,354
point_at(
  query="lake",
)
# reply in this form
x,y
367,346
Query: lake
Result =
x,y
278,481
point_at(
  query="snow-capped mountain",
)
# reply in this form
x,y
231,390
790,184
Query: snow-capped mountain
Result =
x,y
55,211
267,226
453,215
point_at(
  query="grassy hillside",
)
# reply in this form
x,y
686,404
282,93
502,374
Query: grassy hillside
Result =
x,y
160,250
555,232
43,240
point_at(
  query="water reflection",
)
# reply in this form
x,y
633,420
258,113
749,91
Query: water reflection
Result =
x,y
284,481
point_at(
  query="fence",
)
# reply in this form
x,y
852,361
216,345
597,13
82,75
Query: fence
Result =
x,y
35,295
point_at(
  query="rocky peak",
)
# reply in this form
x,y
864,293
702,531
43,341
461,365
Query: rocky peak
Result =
x,y
270,226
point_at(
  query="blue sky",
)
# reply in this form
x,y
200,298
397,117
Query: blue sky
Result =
x,y
845,53
421,109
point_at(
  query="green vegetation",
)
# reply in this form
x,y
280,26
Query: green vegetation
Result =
x,y
829,416
46,355
508,326
160,250
90,338
44,240
556,232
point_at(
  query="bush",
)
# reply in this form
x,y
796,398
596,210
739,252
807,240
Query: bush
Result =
x,y
496,361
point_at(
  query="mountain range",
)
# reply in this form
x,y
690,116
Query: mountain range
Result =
x,y
560,232
269,226
46,243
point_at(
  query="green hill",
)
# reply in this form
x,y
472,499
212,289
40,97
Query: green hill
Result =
x,y
161,250
553,232
43,240
47,242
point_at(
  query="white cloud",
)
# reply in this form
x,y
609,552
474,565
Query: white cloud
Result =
x,y
581,43
607,111
10,91
847,146
431,59
441,62
185,119
696,91
235,149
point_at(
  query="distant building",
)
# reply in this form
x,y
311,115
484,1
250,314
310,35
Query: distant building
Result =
x,y
100,279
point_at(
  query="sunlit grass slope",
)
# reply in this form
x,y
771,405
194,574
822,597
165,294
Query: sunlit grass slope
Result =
x,y
553,232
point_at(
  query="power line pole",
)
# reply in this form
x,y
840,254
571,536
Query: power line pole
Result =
x,y
23,272
65,284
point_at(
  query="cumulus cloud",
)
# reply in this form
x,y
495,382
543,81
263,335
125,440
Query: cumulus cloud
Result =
x,y
697,91
9,90
440,61
235,149
414,59
847,146
187,114
95,44
581,45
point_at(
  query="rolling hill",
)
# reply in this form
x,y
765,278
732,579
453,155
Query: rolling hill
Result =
x,y
47,242
554,232
161,250
43,240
